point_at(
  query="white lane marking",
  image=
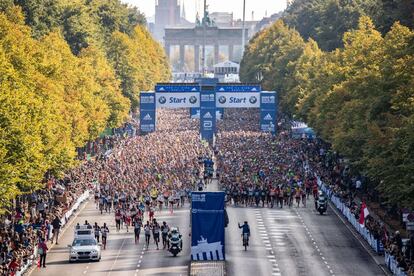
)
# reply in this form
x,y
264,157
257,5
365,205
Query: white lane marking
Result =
x,y
117,257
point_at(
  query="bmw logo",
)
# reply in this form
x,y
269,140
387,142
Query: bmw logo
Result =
x,y
222,99
193,99
162,100
253,100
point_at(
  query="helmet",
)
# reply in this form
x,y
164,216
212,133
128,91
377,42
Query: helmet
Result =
x,y
174,230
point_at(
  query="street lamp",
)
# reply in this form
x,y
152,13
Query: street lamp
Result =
x,y
243,26
204,38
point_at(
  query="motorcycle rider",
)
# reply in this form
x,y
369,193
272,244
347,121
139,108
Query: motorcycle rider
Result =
x,y
175,236
321,201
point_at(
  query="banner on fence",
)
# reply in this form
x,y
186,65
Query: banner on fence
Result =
x,y
207,226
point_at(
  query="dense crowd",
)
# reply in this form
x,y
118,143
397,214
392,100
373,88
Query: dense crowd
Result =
x,y
161,168
258,168
155,170
134,168
31,220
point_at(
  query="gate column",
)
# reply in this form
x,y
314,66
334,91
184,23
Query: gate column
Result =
x,y
197,58
216,53
231,52
182,57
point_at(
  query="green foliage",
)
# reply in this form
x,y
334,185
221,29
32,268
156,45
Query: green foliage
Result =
x,y
270,54
41,15
360,98
139,62
62,83
326,21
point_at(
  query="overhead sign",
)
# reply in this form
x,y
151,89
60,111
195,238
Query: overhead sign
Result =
x,y
177,88
147,112
268,100
195,113
178,100
207,226
268,121
147,100
207,123
238,88
238,100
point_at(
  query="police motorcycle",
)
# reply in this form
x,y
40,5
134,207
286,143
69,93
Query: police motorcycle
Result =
x,y
321,203
176,242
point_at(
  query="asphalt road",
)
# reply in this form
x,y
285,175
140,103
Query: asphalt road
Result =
x,y
295,241
288,241
122,256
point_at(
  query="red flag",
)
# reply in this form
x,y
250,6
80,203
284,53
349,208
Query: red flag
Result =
x,y
363,214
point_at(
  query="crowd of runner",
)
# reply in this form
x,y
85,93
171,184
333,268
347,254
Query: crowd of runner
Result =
x,y
140,170
257,169
143,174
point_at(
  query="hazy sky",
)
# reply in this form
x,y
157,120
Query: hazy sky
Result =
x,y
236,6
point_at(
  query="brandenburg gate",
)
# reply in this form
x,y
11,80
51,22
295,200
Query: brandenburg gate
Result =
x,y
194,37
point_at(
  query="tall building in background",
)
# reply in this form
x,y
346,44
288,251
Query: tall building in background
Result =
x,y
167,13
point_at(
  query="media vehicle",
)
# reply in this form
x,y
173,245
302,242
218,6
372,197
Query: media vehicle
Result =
x,y
84,246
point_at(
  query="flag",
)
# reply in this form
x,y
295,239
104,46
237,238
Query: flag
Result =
x,y
364,213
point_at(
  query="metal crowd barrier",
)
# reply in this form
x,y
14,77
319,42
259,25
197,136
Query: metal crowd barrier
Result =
x,y
392,265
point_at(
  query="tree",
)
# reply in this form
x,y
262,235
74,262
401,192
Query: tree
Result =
x,y
273,53
21,114
108,86
139,62
41,15
326,21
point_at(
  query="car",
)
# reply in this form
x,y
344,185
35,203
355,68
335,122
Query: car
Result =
x,y
84,249
84,246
